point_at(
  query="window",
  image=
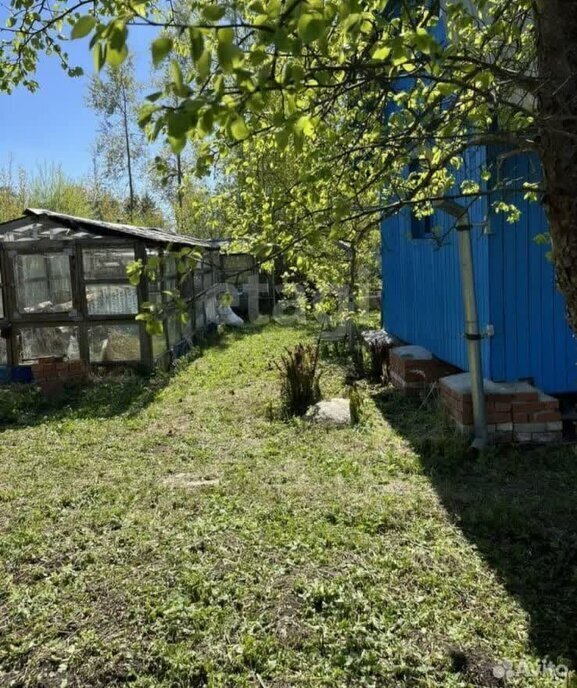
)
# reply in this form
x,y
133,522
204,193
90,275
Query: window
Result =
x,y
43,283
44,342
108,291
174,329
111,299
3,351
114,342
421,228
158,345
106,263
237,268
200,318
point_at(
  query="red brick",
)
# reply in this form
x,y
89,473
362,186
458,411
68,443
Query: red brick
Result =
x,y
496,418
502,406
546,416
527,406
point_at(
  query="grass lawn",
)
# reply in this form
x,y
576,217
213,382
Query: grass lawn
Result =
x,y
382,555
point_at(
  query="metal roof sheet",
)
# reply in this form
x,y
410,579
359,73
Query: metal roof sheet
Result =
x,y
152,234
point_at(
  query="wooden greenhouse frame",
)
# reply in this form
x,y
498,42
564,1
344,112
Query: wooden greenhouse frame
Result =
x,y
49,235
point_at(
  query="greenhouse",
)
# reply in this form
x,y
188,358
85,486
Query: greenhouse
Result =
x,y
65,293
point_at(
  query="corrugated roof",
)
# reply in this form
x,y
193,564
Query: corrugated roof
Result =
x,y
158,236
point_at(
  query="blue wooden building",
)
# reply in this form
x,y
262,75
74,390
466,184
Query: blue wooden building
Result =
x,y
520,309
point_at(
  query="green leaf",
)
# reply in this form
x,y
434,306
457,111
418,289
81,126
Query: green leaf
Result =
x,y
116,57
305,125
282,138
213,12
176,75
229,55
99,56
177,143
238,129
196,44
160,49
203,64
381,52
83,27
310,27
145,114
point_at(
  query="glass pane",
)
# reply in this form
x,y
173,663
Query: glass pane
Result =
x,y
170,266
114,342
185,287
170,284
187,329
234,263
158,344
174,333
200,319
106,263
155,293
43,283
42,342
207,280
1,303
111,299
3,351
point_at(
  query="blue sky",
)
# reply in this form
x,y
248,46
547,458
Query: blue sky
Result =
x,y
54,125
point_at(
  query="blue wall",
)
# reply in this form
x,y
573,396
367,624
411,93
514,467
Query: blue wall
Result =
x,y
422,301
532,337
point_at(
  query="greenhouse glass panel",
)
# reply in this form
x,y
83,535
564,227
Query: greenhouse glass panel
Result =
x,y
158,345
114,342
106,263
43,283
43,342
111,299
174,330
3,351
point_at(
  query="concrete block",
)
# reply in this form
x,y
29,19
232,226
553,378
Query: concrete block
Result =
x,y
418,353
556,426
523,437
547,437
531,427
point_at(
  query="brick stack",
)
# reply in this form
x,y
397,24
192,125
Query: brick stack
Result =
x,y
413,369
516,411
53,374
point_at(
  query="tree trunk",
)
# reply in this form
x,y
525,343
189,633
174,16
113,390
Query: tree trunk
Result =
x,y
179,179
128,153
556,24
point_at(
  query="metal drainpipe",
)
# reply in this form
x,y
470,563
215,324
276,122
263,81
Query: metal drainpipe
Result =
x,y
473,334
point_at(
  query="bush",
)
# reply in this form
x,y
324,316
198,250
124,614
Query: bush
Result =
x,y
299,379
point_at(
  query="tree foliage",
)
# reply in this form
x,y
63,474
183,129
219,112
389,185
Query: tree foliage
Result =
x,y
52,189
120,144
370,98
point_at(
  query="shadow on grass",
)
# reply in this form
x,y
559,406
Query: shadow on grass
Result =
x,y
517,506
102,397
121,392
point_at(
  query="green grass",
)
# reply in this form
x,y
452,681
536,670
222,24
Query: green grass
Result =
x,y
381,555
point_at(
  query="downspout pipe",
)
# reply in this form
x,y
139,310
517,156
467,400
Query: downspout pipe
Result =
x,y
473,334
